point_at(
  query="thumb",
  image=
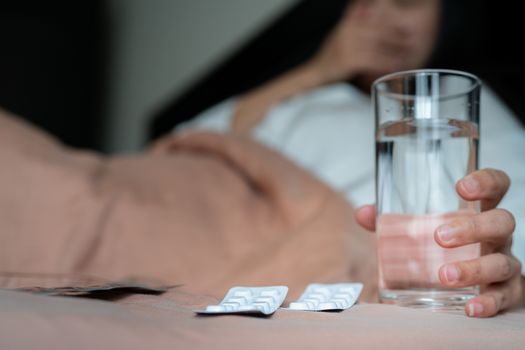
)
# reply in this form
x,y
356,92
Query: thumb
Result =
x,y
366,217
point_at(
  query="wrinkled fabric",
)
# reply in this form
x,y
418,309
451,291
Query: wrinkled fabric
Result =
x,y
204,210
168,322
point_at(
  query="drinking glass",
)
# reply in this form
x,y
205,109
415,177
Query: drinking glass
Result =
x,y
427,136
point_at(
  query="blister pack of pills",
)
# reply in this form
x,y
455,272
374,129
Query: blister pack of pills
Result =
x,y
252,300
328,297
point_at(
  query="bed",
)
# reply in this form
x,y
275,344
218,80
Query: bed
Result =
x,y
175,227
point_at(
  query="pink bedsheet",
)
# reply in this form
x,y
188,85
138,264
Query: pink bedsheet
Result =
x,y
167,322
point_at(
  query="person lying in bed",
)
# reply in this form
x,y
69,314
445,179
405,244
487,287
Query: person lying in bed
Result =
x,y
310,115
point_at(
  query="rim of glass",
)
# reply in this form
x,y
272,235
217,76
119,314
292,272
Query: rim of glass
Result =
x,y
475,82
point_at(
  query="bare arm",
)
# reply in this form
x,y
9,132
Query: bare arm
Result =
x,y
358,44
255,104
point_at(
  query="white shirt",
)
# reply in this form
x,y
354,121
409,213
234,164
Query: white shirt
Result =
x,y
330,132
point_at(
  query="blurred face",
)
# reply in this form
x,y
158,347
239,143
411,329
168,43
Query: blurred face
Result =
x,y
410,27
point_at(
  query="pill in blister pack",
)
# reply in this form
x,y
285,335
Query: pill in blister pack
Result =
x,y
325,297
254,300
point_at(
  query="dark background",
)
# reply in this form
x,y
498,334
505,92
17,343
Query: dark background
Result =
x,y
52,59
54,53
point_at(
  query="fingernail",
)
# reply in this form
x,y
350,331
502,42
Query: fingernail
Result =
x,y
470,184
451,273
475,309
446,233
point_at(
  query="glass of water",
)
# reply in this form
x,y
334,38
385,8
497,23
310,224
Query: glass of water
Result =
x,y
427,136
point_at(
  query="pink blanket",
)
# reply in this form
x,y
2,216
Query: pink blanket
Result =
x,y
206,211
203,210
167,322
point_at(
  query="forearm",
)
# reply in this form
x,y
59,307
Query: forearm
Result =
x,y
292,83
254,105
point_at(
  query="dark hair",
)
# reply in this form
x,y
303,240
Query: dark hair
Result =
x,y
482,38
459,36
